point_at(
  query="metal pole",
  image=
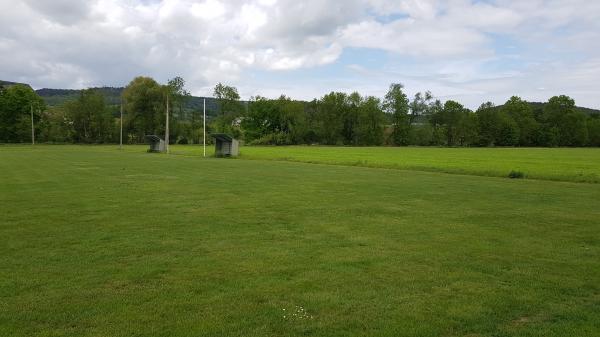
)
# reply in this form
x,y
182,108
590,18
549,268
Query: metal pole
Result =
x,y
167,127
121,132
32,128
204,127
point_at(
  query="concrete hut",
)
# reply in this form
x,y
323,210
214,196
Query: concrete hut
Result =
x,y
156,143
225,145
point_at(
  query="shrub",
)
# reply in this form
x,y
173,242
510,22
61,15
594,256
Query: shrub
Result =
x,y
271,139
516,175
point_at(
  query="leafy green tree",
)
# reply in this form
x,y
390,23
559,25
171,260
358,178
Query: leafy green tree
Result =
x,y
434,117
557,107
89,117
420,105
16,103
508,130
178,96
522,113
144,106
397,105
422,135
180,130
496,127
293,122
574,130
276,122
330,114
466,133
230,108
450,118
560,113
593,125
549,136
487,124
313,122
56,126
261,119
371,119
350,119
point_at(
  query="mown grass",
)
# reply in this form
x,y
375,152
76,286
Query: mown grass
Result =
x,y
555,164
561,164
97,242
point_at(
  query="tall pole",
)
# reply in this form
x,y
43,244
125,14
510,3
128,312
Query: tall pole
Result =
x,y
32,128
167,127
204,127
121,134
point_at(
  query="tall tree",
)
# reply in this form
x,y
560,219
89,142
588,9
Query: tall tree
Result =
x,y
466,133
574,130
397,105
450,117
90,119
331,110
420,105
16,105
487,123
179,96
275,122
508,130
350,122
230,108
371,119
144,106
593,124
496,127
522,114
560,115
56,126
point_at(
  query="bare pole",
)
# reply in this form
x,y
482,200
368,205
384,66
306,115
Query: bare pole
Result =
x,y
167,127
32,128
121,132
204,127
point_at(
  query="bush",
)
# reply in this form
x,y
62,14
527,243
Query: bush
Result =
x,y
516,175
271,139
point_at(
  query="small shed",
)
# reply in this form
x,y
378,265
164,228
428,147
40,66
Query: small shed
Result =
x,y
225,145
156,143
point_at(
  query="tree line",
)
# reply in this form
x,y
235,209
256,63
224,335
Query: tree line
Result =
x,y
334,119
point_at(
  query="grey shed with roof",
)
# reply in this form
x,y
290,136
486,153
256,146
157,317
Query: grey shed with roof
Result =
x,y
156,143
225,145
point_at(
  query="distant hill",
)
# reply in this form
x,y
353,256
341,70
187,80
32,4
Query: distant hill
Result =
x,y
55,97
9,84
539,106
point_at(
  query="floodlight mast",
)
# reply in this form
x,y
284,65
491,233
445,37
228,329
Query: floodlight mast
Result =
x,y
167,127
204,127
121,132
32,128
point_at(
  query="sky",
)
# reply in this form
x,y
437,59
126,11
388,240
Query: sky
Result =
x,y
466,50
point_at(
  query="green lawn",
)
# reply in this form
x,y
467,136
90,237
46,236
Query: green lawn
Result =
x,y
564,164
556,164
97,242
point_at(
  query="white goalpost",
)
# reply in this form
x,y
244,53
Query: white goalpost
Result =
x,y
204,127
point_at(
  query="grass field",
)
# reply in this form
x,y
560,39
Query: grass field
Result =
x,y
563,164
558,164
97,242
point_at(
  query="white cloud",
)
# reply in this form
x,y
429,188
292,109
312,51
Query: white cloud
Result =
x,y
72,43
210,9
